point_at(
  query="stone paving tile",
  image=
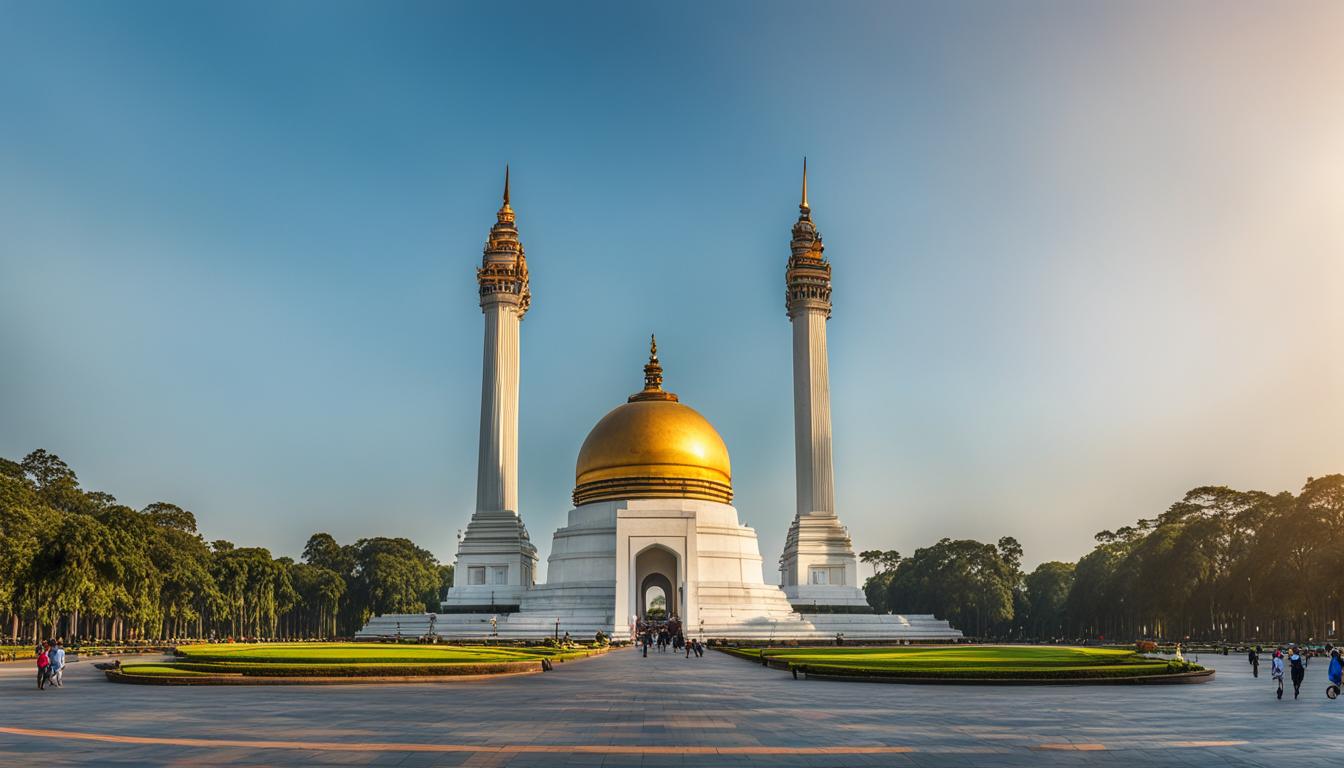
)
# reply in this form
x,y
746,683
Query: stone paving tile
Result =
x,y
665,700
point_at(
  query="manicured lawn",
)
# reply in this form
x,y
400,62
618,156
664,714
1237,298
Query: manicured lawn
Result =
x,y
1006,662
368,653
354,653
300,660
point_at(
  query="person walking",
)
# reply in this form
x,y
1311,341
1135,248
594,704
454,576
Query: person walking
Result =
x,y
56,659
43,663
1297,669
1335,673
1254,659
1276,669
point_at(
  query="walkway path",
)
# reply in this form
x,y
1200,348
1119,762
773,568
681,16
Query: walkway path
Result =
x,y
622,709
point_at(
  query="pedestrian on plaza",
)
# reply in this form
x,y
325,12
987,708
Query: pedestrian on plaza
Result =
x,y
1297,668
56,663
1276,669
43,664
1336,673
1253,658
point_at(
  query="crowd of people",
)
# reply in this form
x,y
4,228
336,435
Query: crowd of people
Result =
x,y
663,635
1293,661
50,664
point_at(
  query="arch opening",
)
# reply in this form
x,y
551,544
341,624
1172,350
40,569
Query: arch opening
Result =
x,y
658,599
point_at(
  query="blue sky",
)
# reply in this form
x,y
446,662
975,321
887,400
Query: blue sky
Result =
x,y
1086,256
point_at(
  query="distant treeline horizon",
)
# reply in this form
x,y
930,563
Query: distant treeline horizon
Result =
x,y
77,564
1219,564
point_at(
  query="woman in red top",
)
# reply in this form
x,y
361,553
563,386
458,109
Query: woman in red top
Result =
x,y
43,664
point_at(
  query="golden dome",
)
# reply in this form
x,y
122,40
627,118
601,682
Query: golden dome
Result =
x,y
653,447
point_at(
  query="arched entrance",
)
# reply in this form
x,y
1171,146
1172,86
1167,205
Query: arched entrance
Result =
x,y
655,586
656,569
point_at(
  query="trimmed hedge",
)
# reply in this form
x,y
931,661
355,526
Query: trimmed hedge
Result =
x,y
345,670
1015,664
373,654
1066,673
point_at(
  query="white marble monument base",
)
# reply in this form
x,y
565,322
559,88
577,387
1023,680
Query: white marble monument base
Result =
x,y
612,553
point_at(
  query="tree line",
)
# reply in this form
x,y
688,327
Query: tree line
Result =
x,y
77,564
1218,565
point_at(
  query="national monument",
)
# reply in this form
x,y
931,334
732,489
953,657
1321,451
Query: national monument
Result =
x,y
653,501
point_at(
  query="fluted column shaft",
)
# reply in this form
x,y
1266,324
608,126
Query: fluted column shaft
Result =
x,y
497,465
812,413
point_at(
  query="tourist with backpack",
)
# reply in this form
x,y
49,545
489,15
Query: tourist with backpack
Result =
x,y
1297,668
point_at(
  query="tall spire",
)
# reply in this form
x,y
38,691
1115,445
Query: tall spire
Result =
x,y
504,263
803,206
808,274
653,377
506,183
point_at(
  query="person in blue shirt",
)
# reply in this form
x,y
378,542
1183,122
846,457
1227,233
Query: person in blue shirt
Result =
x,y
57,657
1276,670
1336,672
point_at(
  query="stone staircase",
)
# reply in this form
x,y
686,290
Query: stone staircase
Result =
x,y
723,622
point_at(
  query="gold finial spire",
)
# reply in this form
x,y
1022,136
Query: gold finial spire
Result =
x,y
506,185
653,377
803,206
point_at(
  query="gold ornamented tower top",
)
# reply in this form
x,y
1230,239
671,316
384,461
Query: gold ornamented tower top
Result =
x,y
808,276
503,267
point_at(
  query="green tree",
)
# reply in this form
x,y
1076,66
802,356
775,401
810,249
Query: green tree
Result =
x,y
1047,589
967,582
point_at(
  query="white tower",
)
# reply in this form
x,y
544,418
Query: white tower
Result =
x,y
495,558
818,567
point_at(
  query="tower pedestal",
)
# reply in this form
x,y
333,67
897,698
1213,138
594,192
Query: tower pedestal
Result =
x,y
496,561
818,570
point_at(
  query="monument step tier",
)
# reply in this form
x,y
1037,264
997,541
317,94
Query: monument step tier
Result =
x,y
721,623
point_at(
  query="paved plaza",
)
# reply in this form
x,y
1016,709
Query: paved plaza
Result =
x,y
625,710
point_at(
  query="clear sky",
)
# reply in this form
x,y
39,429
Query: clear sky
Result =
x,y
1086,255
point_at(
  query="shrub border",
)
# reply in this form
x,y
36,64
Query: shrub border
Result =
x,y
837,672
117,676
441,673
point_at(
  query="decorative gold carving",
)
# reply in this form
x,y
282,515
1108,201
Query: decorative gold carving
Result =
x,y
503,267
808,275
653,378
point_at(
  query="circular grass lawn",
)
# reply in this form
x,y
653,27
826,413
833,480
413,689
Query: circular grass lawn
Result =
x,y
976,663
271,663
